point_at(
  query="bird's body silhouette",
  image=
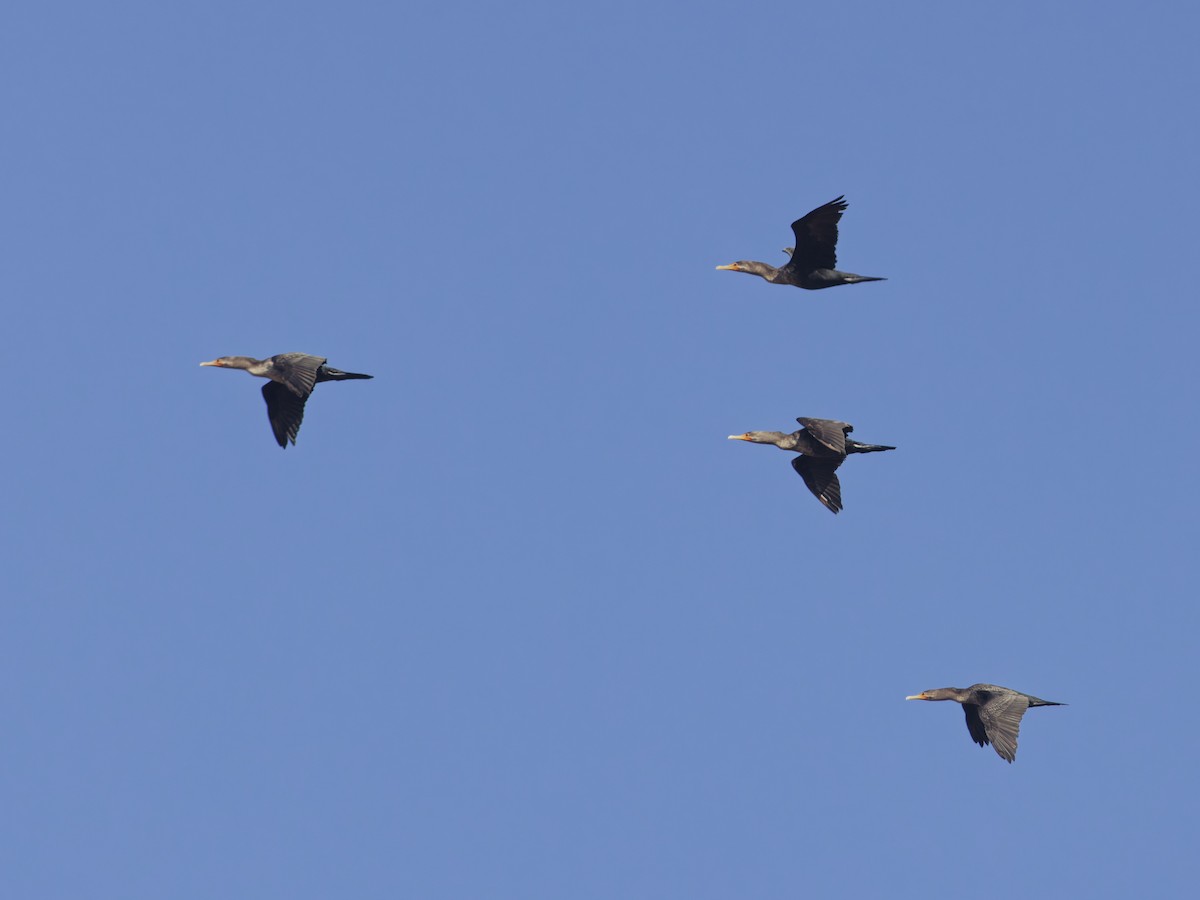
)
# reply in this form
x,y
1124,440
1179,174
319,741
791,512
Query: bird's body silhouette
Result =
x,y
814,258
993,713
823,446
292,379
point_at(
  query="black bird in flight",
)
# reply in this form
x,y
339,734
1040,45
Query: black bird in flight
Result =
x,y
814,258
293,377
993,713
823,446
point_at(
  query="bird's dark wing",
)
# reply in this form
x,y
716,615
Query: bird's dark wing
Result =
x,y
820,475
285,410
298,371
828,432
816,238
978,734
1001,718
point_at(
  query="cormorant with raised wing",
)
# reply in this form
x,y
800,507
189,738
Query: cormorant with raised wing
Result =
x,y
823,446
292,378
814,258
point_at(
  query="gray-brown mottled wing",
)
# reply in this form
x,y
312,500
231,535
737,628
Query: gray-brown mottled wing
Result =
x,y
298,371
820,475
828,432
1001,718
285,410
816,237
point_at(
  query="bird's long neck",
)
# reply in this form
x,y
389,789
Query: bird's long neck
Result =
x,y
780,440
762,269
246,363
959,695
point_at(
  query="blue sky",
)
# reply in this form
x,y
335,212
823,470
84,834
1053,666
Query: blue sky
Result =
x,y
514,619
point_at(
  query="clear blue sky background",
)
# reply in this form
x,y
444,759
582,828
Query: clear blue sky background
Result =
x,y
515,619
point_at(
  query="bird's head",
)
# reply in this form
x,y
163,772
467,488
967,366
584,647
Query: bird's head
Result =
x,y
750,267
231,362
937,694
759,437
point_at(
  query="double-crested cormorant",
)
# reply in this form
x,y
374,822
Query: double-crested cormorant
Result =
x,y
293,377
993,713
824,446
814,258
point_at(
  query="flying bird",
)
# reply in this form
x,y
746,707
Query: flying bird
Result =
x,y
814,258
823,446
993,713
292,378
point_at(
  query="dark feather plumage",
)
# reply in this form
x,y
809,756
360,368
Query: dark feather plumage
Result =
x,y
993,713
823,446
292,379
813,263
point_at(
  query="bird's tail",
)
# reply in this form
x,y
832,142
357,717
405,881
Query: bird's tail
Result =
x,y
855,279
1035,701
339,375
859,447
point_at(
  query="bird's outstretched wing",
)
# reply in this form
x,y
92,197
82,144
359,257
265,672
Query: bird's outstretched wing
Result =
x,y
285,410
816,238
1001,719
298,371
828,432
820,475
